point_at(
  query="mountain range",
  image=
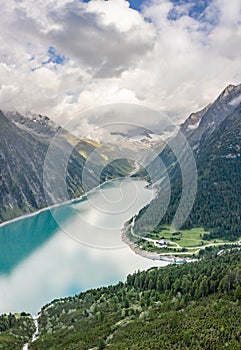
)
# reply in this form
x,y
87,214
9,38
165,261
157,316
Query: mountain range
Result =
x,y
212,133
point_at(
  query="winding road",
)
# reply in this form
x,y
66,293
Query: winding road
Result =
x,y
176,245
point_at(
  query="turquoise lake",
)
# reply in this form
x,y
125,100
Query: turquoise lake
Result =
x,y
70,248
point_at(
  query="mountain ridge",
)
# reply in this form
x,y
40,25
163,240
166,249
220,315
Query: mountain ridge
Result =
x,y
218,178
24,143
212,115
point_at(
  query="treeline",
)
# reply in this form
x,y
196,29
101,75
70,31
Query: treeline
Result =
x,y
193,281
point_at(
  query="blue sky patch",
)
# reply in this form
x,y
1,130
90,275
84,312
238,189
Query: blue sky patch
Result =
x,y
54,57
135,4
195,8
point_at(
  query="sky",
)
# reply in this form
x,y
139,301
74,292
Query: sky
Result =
x,y
62,57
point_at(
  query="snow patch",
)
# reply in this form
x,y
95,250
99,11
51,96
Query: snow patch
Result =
x,y
194,126
236,101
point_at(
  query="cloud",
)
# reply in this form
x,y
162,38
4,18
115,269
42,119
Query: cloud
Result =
x,y
62,57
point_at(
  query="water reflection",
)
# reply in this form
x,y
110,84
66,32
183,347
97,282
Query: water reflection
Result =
x,y
20,238
39,262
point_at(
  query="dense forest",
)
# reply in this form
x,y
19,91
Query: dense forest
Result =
x,y
191,306
217,205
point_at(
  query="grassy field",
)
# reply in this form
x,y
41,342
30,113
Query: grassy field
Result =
x,y
184,238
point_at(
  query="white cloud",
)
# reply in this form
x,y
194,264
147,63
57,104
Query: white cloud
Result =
x,y
116,54
224,12
116,13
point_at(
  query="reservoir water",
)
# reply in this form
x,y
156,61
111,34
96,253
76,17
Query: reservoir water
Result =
x,y
70,248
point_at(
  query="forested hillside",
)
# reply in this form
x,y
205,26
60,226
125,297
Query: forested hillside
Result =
x,y
217,206
193,306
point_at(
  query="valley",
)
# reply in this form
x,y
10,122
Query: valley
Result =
x,y
120,175
55,250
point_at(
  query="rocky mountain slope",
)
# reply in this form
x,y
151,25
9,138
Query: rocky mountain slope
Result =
x,y
22,155
24,141
217,207
197,129
36,123
214,134
199,126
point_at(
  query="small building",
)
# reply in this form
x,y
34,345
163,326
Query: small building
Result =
x,y
163,242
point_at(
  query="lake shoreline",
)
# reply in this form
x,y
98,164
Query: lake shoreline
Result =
x,y
133,246
172,259
70,201
39,256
